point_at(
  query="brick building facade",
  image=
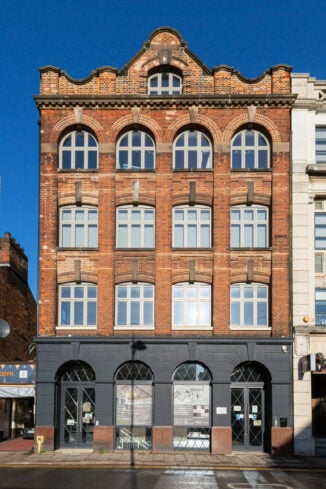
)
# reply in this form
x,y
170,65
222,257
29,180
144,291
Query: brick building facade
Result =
x,y
17,330
164,255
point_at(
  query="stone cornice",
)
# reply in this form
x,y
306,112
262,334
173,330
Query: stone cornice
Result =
x,y
158,102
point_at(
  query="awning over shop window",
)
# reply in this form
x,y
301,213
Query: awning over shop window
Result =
x,y
16,391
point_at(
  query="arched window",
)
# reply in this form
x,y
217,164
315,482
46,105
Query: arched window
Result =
x,y
250,151
192,226
135,226
192,150
249,305
77,305
135,151
192,406
249,226
78,150
133,406
78,227
164,83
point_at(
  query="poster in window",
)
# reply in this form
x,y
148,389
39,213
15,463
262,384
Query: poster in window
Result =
x,y
133,405
191,404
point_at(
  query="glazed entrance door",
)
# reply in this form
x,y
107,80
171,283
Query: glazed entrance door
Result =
x,y
78,412
247,417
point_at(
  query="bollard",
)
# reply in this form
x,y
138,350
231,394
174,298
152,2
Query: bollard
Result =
x,y
39,441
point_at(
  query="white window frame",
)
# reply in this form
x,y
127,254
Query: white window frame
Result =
x,y
320,298
320,225
75,225
186,149
130,301
243,149
188,299
74,149
143,150
161,88
244,223
130,225
74,301
320,144
251,302
189,225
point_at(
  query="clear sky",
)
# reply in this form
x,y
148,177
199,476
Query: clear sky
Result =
x,y
79,36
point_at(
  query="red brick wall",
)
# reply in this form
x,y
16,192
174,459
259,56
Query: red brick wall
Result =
x,y
165,188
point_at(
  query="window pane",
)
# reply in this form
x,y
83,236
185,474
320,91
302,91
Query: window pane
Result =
x,y
78,313
135,236
261,236
204,292
122,292
149,236
148,314
191,314
235,292
249,215
261,292
79,139
192,159
135,292
248,235
236,159
65,292
92,236
91,141
262,159
192,215
91,313
248,292
235,313
204,314
178,292
91,292
178,313
79,236
123,159
179,159
135,313
191,291
192,236
122,314
66,159
123,236
178,236
92,160
66,236
65,313
262,314
136,138
136,159
205,236
67,142
149,160
192,138
235,236
249,138
148,292
79,159
250,158
248,314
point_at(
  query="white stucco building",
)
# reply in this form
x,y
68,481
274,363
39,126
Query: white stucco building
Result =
x,y
309,263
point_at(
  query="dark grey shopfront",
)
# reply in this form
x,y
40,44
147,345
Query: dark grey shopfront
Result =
x,y
188,385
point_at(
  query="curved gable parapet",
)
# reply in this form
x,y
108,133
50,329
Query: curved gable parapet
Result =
x,y
55,81
273,80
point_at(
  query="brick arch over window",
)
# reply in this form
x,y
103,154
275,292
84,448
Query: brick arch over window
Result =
x,y
154,63
237,276
128,121
70,199
201,121
70,122
260,120
144,199
128,276
67,277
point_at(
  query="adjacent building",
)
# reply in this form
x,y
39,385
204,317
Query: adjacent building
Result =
x,y
17,329
164,280
309,272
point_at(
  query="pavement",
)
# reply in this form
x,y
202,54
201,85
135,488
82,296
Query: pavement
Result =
x,y
19,452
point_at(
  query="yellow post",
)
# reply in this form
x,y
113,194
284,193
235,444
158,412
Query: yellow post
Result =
x,y
39,441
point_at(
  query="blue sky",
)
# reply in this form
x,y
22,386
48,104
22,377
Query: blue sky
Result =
x,y
80,36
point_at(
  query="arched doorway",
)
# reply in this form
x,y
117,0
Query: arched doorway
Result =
x,y
191,407
133,406
77,405
250,407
